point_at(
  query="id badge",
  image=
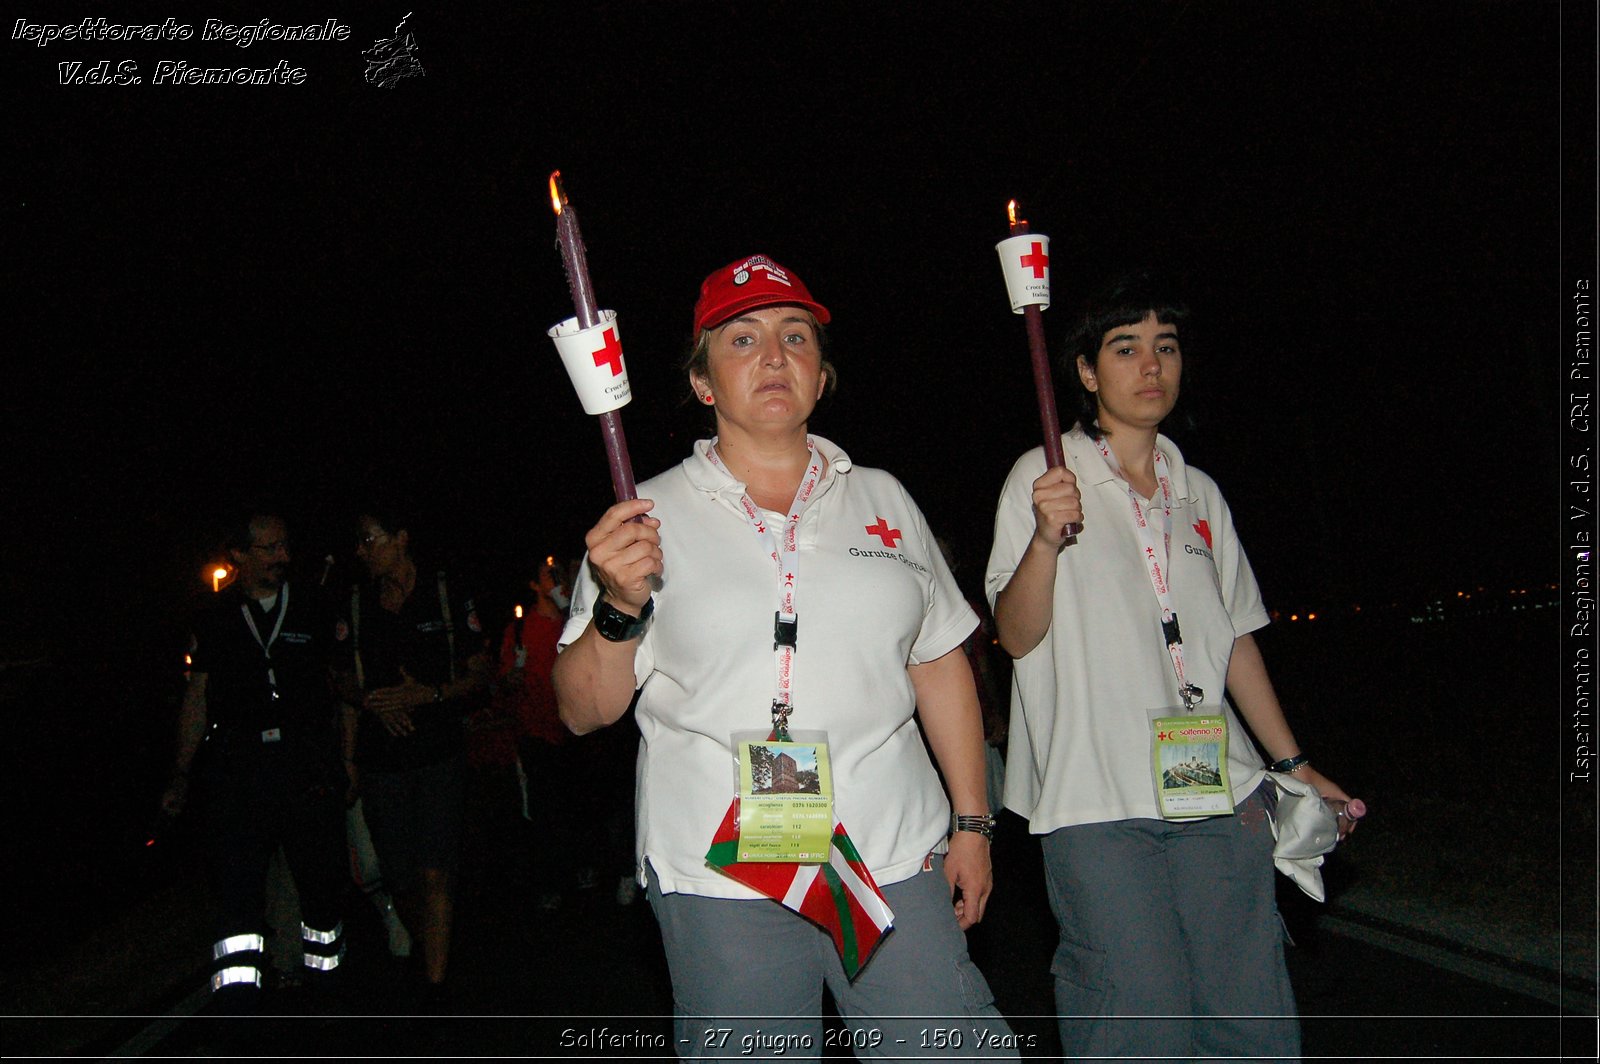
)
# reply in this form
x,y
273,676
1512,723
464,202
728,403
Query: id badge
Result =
x,y
1189,759
785,799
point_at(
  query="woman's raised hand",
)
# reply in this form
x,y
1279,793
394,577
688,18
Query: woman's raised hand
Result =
x,y
624,554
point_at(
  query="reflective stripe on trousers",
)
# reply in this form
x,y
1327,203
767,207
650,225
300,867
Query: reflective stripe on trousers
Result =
x,y
236,977
242,957
317,955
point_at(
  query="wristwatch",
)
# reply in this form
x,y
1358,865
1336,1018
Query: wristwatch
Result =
x,y
615,626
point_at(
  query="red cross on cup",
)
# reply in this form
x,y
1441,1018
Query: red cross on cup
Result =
x,y
1036,260
890,536
610,354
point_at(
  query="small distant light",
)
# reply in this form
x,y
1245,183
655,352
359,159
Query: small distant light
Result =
x,y
1294,616
519,611
1311,616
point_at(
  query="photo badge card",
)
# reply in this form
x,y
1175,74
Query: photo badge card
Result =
x,y
1191,766
785,801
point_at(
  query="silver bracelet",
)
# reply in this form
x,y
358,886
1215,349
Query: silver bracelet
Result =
x,y
983,825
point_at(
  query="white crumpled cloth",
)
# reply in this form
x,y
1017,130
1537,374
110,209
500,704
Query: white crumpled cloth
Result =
x,y
1306,830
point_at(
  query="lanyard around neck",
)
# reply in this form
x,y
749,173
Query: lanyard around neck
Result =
x,y
783,546
266,645
1156,555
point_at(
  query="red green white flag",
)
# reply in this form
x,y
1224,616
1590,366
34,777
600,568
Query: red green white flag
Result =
x,y
839,896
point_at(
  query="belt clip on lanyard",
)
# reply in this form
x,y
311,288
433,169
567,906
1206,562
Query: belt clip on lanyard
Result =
x,y
1156,566
266,647
785,638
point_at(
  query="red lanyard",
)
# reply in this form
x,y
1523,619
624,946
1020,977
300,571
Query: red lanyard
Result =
x,y
1157,563
783,546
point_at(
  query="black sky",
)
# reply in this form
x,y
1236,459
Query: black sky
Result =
x,y
310,290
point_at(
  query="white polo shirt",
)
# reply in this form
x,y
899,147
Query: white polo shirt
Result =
x,y
1079,749
873,596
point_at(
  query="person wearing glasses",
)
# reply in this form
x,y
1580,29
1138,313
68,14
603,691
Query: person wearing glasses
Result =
x,y
257,732
415,662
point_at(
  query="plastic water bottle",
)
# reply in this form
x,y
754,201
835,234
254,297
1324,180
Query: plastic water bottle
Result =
x,y
1352,810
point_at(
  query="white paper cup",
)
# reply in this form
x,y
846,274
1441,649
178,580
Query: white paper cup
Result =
x,y
1025,259
593,358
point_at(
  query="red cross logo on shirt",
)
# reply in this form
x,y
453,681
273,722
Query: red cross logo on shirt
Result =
x,y
1204,528
890,536
1036,260
610,354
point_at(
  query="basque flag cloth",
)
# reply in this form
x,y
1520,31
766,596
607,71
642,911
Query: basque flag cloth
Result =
x,y
839,897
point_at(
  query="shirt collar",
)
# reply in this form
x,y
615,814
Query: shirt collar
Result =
x,y
707,477
1090,468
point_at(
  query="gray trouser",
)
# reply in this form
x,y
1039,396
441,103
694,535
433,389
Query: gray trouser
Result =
x,y
1174,921
747,979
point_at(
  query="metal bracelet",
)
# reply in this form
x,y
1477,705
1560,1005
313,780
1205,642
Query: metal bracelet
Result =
x,y
983,825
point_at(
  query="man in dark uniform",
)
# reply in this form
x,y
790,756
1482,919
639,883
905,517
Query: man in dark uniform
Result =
x,y
414,664
260,707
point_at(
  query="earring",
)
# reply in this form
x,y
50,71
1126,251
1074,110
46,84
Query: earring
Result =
x,y
706,398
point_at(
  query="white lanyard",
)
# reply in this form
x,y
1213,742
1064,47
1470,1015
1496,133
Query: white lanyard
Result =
x,y
784,549
1158,564
266,647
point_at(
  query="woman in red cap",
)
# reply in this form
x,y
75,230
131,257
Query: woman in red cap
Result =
x,y
781,614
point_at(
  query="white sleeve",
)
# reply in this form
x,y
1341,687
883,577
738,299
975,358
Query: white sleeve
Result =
x,y
1013,523
947,620
1237,581
584,593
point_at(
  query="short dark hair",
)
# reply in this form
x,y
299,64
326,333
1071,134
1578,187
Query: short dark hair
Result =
x,y
1127,300
238,530
393,516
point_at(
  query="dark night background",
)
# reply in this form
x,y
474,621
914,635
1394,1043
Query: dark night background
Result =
x,y
305,291
309,292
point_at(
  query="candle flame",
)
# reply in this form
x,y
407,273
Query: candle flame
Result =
x,y
219,574
1011,212
519,612
558,196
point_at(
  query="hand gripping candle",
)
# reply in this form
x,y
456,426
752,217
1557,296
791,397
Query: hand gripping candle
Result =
x,y
1025,261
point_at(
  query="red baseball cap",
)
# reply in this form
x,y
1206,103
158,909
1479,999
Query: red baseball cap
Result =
x,y
747,284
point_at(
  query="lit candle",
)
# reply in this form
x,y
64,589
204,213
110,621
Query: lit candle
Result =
x,y
1026,264
1036,261
575,259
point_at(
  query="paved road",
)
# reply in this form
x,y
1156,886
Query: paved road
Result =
x,y
589,982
